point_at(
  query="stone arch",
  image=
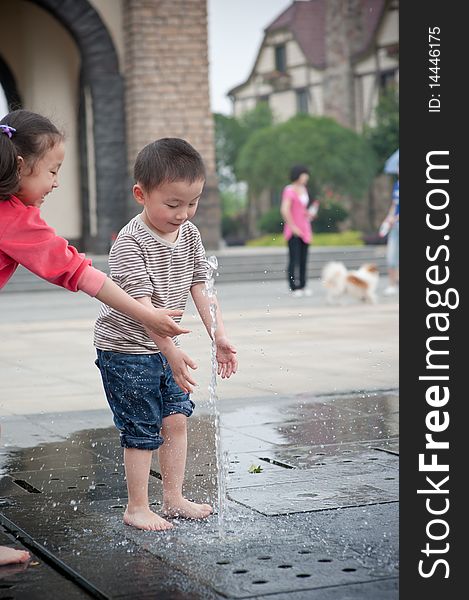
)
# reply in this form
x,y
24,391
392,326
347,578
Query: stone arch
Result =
x,y
8,83
101,87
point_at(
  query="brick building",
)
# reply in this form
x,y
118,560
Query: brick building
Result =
x,y
115,74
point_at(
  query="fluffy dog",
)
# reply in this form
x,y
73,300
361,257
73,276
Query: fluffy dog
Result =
x,y
361,283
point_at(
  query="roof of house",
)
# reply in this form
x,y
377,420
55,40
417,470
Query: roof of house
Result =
x,y
307,22
306,19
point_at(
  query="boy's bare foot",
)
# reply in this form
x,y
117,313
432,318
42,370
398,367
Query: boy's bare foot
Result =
x,y
144,518
10,556
186,509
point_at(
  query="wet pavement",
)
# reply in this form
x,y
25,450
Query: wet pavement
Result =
x,y
309,424
319,518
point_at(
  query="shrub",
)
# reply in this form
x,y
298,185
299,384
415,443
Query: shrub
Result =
x,y
337,157
234,229
229,226
271,221
329,216
345,238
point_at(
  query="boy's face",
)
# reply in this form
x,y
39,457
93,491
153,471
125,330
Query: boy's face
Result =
x,y
170,205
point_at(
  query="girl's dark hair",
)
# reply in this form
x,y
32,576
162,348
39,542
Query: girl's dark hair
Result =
x,y
34,136
298,170
167,160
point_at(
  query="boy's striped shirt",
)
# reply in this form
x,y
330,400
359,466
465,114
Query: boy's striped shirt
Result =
x,y
143,264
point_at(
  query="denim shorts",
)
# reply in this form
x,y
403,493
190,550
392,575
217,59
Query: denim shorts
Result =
x,y
141,392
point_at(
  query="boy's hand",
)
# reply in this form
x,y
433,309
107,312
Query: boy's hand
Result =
x,y
179,362
162,324
226,358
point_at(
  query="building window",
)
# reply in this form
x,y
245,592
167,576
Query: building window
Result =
x,y
387,80
302,101
280,58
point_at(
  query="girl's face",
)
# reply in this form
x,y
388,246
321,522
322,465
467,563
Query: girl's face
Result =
x,y
168,206
39,181
303,179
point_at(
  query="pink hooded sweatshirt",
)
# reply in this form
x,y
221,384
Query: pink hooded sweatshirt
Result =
x,y
27,240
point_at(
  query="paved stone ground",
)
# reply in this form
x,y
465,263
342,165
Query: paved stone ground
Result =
x,y
314,405
286,346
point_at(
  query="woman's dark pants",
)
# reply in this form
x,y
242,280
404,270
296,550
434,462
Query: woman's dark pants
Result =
x,y
298,255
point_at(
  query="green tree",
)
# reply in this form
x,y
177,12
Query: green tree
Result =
x,y
232,203
231,134
384,136
258,118
229,137
338,159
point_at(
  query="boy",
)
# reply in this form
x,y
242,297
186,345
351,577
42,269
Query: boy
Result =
x,y
158,258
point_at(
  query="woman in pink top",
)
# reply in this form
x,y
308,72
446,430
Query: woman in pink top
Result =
x,y
31,153
297,216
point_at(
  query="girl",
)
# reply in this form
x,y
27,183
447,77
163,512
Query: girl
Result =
x,y
31,153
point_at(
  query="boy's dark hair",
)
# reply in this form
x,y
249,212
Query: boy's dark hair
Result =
x,y
34,136
298,170
167,160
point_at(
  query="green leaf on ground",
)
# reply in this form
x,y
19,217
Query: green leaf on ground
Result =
x,y
255,469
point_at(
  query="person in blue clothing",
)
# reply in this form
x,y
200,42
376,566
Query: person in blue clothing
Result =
x,y
391,225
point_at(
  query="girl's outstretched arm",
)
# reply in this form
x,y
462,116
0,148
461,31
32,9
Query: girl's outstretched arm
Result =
x,y
157,320
26,239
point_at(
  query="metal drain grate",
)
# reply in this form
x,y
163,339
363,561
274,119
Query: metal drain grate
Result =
x,y
282,570
103,481
279,463
27,486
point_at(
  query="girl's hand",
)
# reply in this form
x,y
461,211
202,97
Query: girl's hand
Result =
x,y
161,323
179,362
226,358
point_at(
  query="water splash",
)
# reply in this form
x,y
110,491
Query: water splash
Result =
x,y
221,457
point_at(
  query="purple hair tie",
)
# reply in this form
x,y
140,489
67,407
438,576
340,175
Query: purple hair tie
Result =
x,y
8,130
